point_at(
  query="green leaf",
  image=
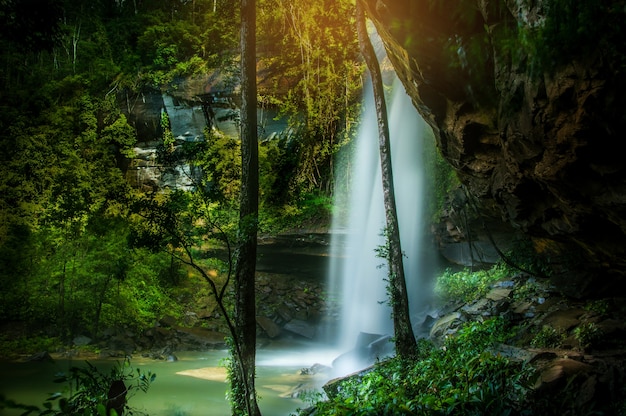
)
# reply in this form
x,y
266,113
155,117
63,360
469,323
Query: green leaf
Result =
x,y
102,411
55,396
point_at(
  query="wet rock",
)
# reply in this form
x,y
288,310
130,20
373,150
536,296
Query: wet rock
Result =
x,y
366,338
121,343
498,293
463,254
301,328
104,354
81,340
559,371
285,313
269,327
481,307
191,318
366,353
523,308
422,325
315,369
446,325
524,132
199,338
42,356
564,320
168,321
513,353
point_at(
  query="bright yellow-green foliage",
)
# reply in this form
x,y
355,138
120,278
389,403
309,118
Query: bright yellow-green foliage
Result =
x,y
467,285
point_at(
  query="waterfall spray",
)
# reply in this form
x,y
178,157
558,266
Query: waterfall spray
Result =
x,y
357,274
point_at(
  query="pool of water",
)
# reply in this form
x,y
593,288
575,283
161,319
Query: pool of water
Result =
x,y
195,385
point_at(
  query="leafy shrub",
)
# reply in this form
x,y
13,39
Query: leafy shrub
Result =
x,y
468,285
547,337
599,306
528,290
11,345
461,378
587,334
89,391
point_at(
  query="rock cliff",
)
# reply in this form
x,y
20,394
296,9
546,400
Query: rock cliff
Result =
x,y
535,140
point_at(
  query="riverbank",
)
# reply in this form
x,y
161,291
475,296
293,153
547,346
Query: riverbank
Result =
x,y
292,302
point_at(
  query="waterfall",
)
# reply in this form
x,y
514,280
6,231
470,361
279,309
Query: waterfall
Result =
x,y
357,275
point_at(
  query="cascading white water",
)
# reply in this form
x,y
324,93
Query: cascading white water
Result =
x,y
356,274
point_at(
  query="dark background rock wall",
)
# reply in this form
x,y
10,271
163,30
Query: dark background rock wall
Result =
x,y
537,149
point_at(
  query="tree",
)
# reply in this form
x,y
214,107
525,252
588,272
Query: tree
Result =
x,y
404,337
311,72
243,371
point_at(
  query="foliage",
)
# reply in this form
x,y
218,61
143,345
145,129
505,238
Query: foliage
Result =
x,y
530,289
587,334
219,159
547,337
598,306
88,391
92,281
314,78
525,255
564,30
441,175
278,160
28,344
461,378
571,28
468,285
236,393
66,265
309,212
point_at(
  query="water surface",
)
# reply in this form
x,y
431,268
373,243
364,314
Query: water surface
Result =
x,y
195,385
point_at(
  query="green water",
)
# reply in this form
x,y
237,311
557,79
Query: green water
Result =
x,y
176,394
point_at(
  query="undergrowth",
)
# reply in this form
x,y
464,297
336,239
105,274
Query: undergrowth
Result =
x,y
90,392
462,377
467,285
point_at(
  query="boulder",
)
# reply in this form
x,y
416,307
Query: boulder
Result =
x,y
369,349
446,325
268,326
199,338
41,356
81,340
301,328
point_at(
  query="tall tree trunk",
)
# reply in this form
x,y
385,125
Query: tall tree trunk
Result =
x,y
404,337
244,394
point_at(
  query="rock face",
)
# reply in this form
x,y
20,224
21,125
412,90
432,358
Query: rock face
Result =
x,y
536,147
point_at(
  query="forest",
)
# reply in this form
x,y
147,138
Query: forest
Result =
x,y
88,252
73,228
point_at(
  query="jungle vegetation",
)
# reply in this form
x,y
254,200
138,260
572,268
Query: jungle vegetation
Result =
x,y
82,251
71,257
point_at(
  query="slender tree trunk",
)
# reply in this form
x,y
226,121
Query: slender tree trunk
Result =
x,y
244,394
404,337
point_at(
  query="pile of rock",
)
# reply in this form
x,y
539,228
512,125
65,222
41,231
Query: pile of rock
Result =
x,y
578,345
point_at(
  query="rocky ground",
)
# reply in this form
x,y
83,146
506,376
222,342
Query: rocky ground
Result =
x,y
577,348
